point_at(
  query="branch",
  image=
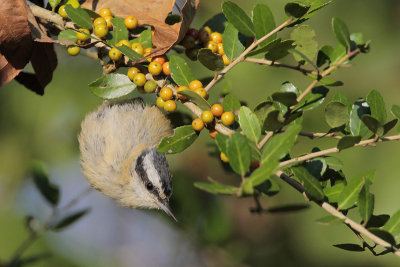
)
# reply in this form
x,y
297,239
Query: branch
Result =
x,y
265,139
262,61
319,135
332,210
336,150
242,56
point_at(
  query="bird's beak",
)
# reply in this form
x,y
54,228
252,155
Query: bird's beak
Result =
x,y
165,207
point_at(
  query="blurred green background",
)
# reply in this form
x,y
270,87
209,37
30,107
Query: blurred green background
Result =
x,y
212,231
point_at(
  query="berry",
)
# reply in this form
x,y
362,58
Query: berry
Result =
x,y
138,48
160,102
213,133
147,52
124,42
223,157
216,37
212,46
204,34
166,93
227,118
62,12
155,68
132,72
207,116
220,49
188,42
165,68
130,22
193,32
170,105
217,110
192,53
150,86
104,12
201,92
99,21
181,88
73,50
108,22
101,30
197,124
139,79
83,35
193,85
115,54
159,59
226,60
73,3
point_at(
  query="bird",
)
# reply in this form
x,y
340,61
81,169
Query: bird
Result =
x,y
118,154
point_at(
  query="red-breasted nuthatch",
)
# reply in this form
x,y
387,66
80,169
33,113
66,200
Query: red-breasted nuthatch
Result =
x,y
119,157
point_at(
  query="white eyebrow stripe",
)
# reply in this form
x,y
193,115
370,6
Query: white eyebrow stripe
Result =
x,y
152,174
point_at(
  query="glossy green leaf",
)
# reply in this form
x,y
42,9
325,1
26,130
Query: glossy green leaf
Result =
x,y
79,17
310,183
231,103
377,220
183,137
377,106
336,114
348,141
277,49
388,126
49,191
315,6
210,60
324,54
129,53
264,172
280,145
232,46
350,247
312,100
221,141
238,18
273,121
239,153
395,111
215,187
316,167
393,224
68,35
286,98
337,54
349,195
296,9
357,127
91,13
333,192
249,124
268,188
366,202
305,44
180,71
112,86
196,98
119,32
329,219
373,124
264,23
341,32
340,97
69,220
262,109
145,38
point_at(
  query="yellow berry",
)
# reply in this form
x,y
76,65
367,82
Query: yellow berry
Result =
x,y
99,21
166,93
130,22
170,105
124,42
62,12
227,118
147,52
212,46
220,49
105,12
73,3
224,158
201,92
160,102
181,88
165,68
226,60
159,59
132,72
197,124
109,22
139,79
115,54
207,116
138,48
101,30
193,85
73,50
83,35
155,68
216,37
217,110
150,86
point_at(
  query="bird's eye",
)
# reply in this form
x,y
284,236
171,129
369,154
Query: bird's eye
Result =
x,y
149,186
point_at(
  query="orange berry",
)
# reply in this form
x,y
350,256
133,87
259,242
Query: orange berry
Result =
x,y
212,46
181,88
159,59
217,110
155,68
130,22
201,92
160,102
115,54
170,106
124,42
213,133
104,12
138,48
223,157
165,68
132,72
220,49
216,37
193,85
166,93
207,116
226,60
99,21
197,124
108,22
227,118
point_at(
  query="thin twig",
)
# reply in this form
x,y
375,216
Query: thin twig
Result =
x,y
263,61
319,135
265,139
241,57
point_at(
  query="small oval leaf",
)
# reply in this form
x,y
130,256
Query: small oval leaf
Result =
x,y
238,18
239,153
310,183
210,60
48,190
79,16
296,9
249,124
336,114
215,187
183,137
341,32
180,71
68,220
112,86
232,46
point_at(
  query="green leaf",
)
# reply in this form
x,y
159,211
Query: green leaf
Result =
x,y
91,13
221,141
377,220
272,122
288,208
313,99
232,46
238,18
296,9
373,124
239,153
324,55
215,187
388,126
144,38
357,127
340,97
68,35
310,183
396,111
348,141
303,59
338,53
385,235
172,19
393,224
315,6
334,163
366,202
286,98
349,195
68,220
341,32
183,137
350,247
262,109
119,32
263,173
196,98
264,23
180,71
210,60
129,53
49,191
336,114
303,37
279,145
54,3
377,106
328,220
79,17
231,103
269,188
112,86
216,23
249,124
333,192
277,49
